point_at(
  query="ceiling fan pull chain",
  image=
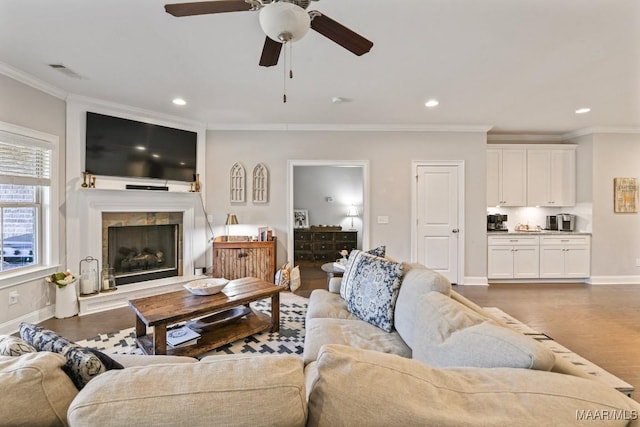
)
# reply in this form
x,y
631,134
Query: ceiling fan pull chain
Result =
x,y
290,60
284,76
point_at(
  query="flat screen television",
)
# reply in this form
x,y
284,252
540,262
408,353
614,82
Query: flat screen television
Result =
x,y
128,148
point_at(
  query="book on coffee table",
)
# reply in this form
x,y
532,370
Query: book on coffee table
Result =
x,y
181,336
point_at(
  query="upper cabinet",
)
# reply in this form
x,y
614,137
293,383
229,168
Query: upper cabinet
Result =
x,y
531,175
506,177
551,177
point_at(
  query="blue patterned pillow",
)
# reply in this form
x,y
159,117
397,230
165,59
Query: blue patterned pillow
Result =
x,y
372,289
380,251
81,366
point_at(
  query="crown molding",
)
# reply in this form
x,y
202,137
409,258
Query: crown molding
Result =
x,y
32,81
594,130
348,127
530,138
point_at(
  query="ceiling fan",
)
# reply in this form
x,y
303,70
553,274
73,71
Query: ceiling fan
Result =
x,y
282,21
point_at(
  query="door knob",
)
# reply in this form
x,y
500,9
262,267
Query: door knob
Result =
x,y
456,230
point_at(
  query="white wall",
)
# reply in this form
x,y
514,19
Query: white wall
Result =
x,y
616,237
389,154
30,108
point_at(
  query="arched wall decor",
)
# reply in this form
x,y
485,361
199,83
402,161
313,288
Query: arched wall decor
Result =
x,y
237,183
260,184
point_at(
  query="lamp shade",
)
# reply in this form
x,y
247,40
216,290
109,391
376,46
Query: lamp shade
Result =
x,y
231,219
284,22
352,211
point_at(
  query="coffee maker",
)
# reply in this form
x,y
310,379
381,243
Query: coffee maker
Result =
x,y
496,222
566,222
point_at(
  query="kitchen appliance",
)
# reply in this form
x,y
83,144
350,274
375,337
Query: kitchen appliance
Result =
x,y
552,222
566,222
496,222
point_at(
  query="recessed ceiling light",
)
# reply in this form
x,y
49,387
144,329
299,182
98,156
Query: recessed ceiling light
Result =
x,y
140,147
179,101
582,110
155,155
431,103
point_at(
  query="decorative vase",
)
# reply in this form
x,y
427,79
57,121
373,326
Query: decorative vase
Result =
x,y
66,301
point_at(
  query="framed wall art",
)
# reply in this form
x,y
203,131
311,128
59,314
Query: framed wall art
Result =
x,y
300,218
625,195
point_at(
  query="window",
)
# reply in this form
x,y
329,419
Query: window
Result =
x,y
25,195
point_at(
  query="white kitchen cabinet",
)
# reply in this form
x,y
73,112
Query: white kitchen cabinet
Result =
x,y
513,257
506,176
551,176
564,257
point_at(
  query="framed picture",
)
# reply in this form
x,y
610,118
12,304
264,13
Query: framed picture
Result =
x,y
625,195
300,218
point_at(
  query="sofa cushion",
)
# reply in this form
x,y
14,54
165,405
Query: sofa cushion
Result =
x,y
323,303
448,334
417,281
81,366
35,391
354,333
238,390
366,388
372,289
14,346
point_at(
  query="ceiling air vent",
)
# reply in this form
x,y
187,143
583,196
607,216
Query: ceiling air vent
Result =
x,y
66,71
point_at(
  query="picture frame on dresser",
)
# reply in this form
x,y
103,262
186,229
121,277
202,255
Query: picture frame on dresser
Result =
x,y
300,218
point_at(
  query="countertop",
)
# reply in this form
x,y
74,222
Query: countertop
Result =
x,y
538,233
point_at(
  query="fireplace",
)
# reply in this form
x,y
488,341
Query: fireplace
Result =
x,y
142,246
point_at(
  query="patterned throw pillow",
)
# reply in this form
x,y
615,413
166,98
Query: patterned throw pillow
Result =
x,y
345,288
380,251
14,346
372,287
81,366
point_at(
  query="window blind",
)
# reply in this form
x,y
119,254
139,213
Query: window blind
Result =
x,y
24,161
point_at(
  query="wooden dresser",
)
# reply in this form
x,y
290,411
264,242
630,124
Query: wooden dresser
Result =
x,y
311,246
234,260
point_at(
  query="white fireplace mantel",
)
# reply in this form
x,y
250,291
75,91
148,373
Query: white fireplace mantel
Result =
x,y
84,236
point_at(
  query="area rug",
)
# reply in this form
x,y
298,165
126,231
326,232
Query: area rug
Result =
x,y
288,340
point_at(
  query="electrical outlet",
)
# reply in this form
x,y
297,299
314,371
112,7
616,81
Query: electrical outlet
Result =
x,y
383,219
13,297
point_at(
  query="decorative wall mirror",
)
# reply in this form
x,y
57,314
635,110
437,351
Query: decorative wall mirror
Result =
x,y
260,184
237,183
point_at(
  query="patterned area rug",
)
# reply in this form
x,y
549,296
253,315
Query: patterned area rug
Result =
x,y
289,340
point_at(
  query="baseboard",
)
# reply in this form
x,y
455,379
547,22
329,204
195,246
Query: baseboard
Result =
x,y
13,325
475,281
614,280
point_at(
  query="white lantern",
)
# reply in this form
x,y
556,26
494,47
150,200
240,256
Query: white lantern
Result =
x,y
284,22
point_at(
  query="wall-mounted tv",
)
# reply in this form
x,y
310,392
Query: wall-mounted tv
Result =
x,y
128,148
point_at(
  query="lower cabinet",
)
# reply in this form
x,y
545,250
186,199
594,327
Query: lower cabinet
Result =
x,y
565,257
538,257
234,260
513,257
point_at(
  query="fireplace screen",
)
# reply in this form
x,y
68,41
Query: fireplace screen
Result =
x,y
143,252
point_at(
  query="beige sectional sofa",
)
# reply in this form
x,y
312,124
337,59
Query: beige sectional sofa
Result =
x,y
352,373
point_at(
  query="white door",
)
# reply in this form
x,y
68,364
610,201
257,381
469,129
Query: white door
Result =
x,y
437,219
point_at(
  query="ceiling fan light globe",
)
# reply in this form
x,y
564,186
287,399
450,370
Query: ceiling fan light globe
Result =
x,y
284,22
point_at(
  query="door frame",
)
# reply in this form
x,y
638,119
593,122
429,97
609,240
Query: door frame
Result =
x,y
291,164
460,165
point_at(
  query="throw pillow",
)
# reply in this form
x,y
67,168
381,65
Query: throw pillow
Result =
x,y
14,346
449,334
108,362
294,279
380,251
373,284
283,276
81,366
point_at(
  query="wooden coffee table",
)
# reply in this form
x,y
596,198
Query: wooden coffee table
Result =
x,y
163,310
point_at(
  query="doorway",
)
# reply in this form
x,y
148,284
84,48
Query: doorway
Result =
x,y
438,217
327,197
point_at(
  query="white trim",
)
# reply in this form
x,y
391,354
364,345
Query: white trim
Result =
x,y
32,81
347,127
460,164
613,280
475,281
524,137
364,164
13,325
593,130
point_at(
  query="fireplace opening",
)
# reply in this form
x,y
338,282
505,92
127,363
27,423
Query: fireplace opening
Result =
x,y
143,252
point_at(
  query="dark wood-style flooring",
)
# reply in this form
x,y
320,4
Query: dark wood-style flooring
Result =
x,y
601,323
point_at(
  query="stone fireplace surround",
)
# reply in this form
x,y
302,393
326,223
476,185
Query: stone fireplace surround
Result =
x,y
85,237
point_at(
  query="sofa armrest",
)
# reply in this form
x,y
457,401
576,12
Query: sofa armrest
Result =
x,y
334,284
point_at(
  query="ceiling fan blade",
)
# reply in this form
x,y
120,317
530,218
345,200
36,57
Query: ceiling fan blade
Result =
x,y
206,7
270,53
340,34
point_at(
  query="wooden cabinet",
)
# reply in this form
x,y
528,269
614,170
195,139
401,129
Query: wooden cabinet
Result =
x,y
551,177
565,256
321,246
506,177
513,257
234,260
